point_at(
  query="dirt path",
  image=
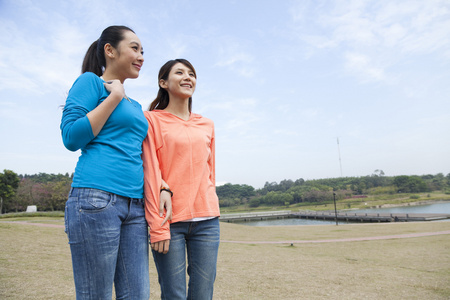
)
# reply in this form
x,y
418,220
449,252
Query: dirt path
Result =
x,y
34,224
385,237
357,239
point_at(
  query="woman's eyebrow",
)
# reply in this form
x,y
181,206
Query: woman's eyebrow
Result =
x,y
182,69
134,42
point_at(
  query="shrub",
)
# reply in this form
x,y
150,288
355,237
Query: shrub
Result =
x,y
254,202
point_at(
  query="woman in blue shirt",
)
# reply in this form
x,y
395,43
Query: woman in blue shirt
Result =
x,y
104,217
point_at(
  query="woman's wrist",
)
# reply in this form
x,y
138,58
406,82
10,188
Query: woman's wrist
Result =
x,y
166,189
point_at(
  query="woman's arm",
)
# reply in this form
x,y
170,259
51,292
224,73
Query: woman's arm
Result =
x,y
212,160
83,117
155,199
98,116
165,201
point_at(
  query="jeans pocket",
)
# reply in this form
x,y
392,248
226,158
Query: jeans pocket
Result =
x,y
95,201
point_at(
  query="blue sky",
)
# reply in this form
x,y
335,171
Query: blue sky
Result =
x,y
282,80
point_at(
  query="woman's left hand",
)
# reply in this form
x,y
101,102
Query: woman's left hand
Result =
x,y
161,247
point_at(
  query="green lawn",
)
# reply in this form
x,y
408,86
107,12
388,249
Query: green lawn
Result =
x,y
35,262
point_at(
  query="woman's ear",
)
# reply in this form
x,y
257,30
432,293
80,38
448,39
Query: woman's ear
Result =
x,y
162,83
109,50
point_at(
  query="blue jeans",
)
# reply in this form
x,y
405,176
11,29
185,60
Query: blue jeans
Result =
x,y
200,241
108,239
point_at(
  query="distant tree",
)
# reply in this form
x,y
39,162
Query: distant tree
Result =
x,y
378,173
417,185
401,182
46,191
285,185
298,192
299,181
56,195
254,202
438,182
286,199
269,187
318,196
410,184
24,195
277,198
247,191
376,179
361,187
9,182
231,191
42,193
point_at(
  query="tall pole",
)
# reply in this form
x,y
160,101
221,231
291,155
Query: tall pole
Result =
x,y
339,152
335,210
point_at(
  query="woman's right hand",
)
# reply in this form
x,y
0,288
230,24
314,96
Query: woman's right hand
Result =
x,y
115,87
101,113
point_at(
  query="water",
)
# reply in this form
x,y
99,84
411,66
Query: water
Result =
x,y
436,208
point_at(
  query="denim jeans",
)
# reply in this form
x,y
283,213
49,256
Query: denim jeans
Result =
x,y
200,241
108,239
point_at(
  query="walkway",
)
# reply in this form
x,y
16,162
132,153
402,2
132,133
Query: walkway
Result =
x,y
373,238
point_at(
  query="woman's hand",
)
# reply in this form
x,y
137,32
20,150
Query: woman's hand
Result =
x,y
99,115
115,87
165,201
161,246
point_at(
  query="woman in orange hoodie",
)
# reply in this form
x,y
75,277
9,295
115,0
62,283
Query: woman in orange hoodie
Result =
x,y
180,149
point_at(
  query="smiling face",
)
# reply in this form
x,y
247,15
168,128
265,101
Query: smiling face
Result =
x,y
127,59
180,82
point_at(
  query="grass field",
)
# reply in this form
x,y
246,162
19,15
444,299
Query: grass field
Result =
x,y
35,262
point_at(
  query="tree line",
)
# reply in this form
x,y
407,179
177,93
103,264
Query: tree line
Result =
x,y
49,191
288,192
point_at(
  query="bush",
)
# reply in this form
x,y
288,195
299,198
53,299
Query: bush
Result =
x,y
254,202
414,197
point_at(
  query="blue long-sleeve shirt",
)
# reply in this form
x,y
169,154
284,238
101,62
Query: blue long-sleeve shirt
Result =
x,y
111,161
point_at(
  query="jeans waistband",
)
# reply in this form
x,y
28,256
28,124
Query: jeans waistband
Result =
x,y
76,191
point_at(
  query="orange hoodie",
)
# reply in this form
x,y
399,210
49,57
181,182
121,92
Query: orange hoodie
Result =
x,y
183,154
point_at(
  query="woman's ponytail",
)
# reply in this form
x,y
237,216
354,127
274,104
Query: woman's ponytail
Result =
x,y
91,62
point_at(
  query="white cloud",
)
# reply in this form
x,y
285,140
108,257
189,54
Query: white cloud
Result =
x,y
362,65
369,32
42,63
232,55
